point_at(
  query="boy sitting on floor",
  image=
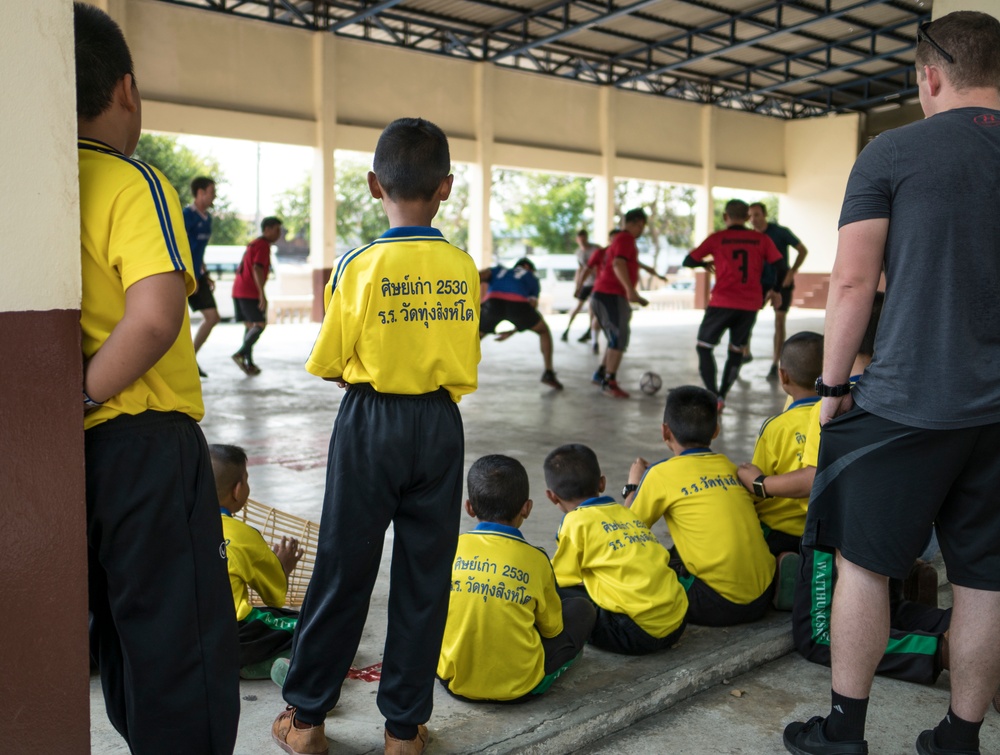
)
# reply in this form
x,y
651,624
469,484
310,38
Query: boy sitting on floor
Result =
x,y
721,556
782,440
610,557
265,633
508,636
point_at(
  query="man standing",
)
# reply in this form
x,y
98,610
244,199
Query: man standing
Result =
x,y
614,292
738,255
915,443
163,626
198,224
249,299
782,238
584,251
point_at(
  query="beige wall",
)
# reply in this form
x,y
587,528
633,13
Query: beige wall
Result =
x,y
212,74
819,153
40,208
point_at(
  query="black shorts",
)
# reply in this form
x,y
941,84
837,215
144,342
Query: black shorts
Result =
x,y
519,313
881,486
248,310
585,293
202,298
786,299
614,314
717,320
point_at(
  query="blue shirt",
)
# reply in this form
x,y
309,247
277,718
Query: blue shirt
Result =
x,y
199,229
514,284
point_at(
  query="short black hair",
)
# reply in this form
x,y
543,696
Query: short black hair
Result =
x,y
228,464
527,262
102,59
637,214
269,222
572,472
757,204
867,347
737,209
200,183
802,358
692,414
411,159
498,488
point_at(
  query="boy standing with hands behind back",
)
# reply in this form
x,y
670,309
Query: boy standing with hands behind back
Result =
x,y
396,451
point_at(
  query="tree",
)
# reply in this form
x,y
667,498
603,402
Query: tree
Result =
x,y
180,164
542,209
359,215
294,207
669,210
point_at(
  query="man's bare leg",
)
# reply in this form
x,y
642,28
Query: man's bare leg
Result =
x,y
211,319
974,653
545,341
779,333
859,627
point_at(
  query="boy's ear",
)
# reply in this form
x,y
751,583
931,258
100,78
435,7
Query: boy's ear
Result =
x,y
718,429
552,497
374,187
602,483
444,188
667,435
526,509
783,378
127,93
469,510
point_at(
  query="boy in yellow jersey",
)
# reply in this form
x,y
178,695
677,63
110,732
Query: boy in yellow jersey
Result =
x,y
721,557
610,557
162,629
265,633
401,333
780,445
508,636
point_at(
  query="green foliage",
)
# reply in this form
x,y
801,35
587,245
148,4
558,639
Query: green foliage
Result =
x,y
542,209
359,216
670,211
181,164
294,207
719,207
453,216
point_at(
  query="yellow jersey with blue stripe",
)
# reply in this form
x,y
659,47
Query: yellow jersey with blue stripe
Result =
x,y
622,565
712,520
251,564
779,449
503,601
402,314
132,227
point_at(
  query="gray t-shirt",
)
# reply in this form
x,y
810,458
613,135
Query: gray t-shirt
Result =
x,y
937,352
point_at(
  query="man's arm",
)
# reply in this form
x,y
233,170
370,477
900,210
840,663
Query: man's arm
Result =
x,y
692,261
800,256
652,271
620,268
257,271
795,484
855,277
154,314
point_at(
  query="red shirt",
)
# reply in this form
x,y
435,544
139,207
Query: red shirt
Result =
x,y
623,245
739,255
258,253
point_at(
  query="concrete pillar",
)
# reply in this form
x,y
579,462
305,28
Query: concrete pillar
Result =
x,y
43,569
704,215
481,172
604,184
323,220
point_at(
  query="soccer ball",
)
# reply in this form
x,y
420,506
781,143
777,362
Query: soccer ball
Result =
x,y
650,383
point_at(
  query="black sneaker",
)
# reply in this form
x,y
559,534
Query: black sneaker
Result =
x,y
565,337
584,338
201,372
927,746
747,358
772,374
242,363
549,378
807,738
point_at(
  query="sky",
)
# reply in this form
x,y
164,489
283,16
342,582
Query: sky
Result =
x,y
282,167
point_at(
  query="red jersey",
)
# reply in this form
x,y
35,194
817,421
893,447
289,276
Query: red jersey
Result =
x,y
258,253
623,245
739,255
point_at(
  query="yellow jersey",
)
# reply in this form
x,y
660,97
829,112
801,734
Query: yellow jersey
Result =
x,y
503,601
402,314
622,565
252,563
132,227
712,520
779,449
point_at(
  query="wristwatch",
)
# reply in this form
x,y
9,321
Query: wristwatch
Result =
x,y
827,391
758,487
629,488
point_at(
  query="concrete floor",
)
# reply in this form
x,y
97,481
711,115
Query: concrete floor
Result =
x,y
283,418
